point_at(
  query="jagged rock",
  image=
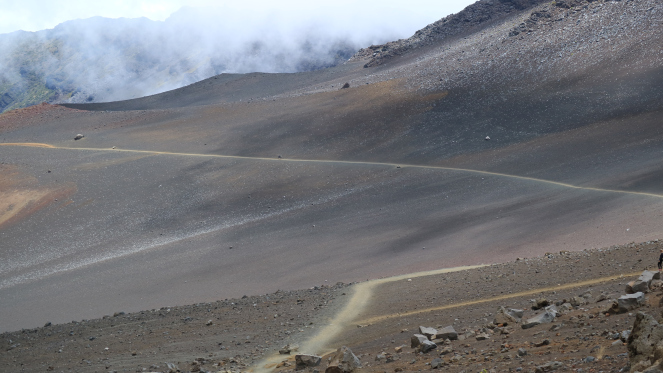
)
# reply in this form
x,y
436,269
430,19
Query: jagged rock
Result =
x,y
285,350
506,316
172,368
303,361
482,336
543,318
344,361
446,350
426,346
655,284
384,356
645,345
540,303
552,309
448,332
417,340
577,301
642,284
549,366
630,302
430,333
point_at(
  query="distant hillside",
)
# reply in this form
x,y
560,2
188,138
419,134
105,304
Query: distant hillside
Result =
x,y
100,59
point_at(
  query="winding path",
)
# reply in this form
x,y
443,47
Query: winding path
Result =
x,y
322,161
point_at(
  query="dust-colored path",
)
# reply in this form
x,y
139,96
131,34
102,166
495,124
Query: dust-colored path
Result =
x,y
347,317
401,165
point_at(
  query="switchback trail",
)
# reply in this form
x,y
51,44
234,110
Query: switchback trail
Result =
x,y
323,161
347,316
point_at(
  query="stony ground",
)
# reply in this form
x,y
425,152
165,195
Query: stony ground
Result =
x,y
234,335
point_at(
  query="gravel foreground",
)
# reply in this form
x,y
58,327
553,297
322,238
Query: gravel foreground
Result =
x,y
236,334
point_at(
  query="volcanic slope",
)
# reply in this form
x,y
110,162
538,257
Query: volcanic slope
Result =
x,y
477,147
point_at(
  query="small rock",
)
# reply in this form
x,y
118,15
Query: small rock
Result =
x,y
522,352
540,303
285,350
78,137
549,366
482,336
209,322
436,363
589,359
545,342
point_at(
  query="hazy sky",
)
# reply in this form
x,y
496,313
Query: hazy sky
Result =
x,y
33,15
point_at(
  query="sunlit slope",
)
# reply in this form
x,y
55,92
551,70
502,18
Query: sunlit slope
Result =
x,y
308,182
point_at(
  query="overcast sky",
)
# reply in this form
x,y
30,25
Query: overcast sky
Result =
x,y
34,15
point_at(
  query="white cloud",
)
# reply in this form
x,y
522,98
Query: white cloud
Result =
x,y
33,15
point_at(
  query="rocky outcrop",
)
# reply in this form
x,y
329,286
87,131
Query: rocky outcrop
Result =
x,y
470,19
645,344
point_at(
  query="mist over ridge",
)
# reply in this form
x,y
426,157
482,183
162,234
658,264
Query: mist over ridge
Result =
x,y
101,59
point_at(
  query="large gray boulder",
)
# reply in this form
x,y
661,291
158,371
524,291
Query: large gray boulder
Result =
x,y
642,284
430,333
543,318
448,332
344,361
645,344
630,302
417,340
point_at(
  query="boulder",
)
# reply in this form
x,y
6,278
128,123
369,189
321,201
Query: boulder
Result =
x,y
426,346
642,284
303,361
543,318
645,346
506,316
448,332
428,332
630,302
417,340
344,361
78,137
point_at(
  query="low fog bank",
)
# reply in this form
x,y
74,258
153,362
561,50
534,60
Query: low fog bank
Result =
x,y
101,59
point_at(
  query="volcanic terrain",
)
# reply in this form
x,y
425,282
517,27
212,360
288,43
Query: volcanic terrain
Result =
x,y
511,129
